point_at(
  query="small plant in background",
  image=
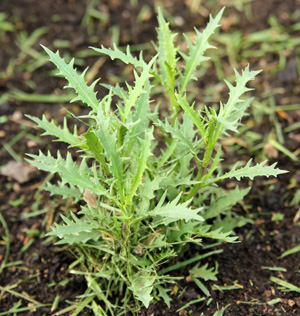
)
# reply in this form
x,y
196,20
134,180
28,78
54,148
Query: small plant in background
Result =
x,y
143,209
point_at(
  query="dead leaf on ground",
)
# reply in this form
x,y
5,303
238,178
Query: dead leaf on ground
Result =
x,y
270,151
19,171
90,198
297,301
229,21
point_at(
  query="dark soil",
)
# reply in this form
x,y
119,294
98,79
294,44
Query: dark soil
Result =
x,y
43,273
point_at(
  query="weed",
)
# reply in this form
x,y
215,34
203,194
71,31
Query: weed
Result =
x,y
141,208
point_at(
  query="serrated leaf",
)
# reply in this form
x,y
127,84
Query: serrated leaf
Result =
x,y
218,234
225,201
117,90
204,272
190,228
147,193
140,120
176,181
196,52
177,133
232,112
144,154
96,148
108,140
231,221
69,171
63,190
138,89
250,172
62,134
173,211
167,52
163,293
191,114
85,93
94,145
116,53
159,241
235,92
71,227
233,120
81,238
142,286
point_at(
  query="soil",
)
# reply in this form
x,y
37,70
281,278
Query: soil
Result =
x,y
42,273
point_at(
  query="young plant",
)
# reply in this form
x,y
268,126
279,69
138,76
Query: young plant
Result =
x,y
142,209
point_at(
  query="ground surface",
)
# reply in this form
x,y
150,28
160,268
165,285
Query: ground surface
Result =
x,y
39,270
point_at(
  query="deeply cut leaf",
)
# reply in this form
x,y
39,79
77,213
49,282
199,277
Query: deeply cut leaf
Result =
x,y
85,93
142,286
173,211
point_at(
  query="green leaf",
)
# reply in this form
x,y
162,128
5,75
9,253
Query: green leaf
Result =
x,y
196,52
144,154
250,172
62,134
167,52
174,182
283,149
225,201
72,239
163,293
69,171
189,229
96,148
201,286
216,161
93,284
147,193
235,92
191,114
221,312
63,190
296,198
159,241
142,286
204,272
94,145
290,251
140,118
85,93
178,134
74,227
138,89
108,140
286,285
117,90
173,211
218,234
126,58
232,112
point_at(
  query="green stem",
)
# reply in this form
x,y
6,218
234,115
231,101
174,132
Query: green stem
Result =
x,y
174,105
194,190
